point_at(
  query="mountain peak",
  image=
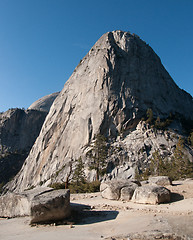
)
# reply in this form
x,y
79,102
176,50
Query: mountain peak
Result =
x,y
109,92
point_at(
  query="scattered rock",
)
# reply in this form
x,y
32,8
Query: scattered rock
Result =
x,y
114,189
127,192
151,194
160,180
152,235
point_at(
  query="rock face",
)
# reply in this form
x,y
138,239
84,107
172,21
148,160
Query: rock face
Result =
x,y
43,104
19,129
108,93
118,189
151,194
50,206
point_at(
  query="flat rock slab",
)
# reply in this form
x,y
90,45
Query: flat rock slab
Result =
x,y
151,194
118,189
50,206
160,180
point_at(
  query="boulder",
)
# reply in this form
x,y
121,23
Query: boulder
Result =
x,y
50,206
160,180
151,194
127,192
113,189
42,204
14,205
18,204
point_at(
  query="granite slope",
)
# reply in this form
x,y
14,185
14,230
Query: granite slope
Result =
x,y
108,93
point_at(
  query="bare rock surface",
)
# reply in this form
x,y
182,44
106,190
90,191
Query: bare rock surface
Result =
x,y
118,189
108,93
160,180
151,194
50,206
43,104
19,204
19,129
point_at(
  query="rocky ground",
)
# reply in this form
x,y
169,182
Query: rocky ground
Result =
x,y
118,220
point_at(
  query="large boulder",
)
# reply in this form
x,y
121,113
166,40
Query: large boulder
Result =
x,y
127,192
14,205
151,194
50,206
18,204
160,180
43,204
118,189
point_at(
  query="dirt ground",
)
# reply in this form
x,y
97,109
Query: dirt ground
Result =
x,y
116,220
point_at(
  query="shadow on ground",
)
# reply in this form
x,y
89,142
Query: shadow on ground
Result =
x,y
175,197
83,214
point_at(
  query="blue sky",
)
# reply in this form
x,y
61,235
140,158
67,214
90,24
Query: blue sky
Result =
x,y
42,41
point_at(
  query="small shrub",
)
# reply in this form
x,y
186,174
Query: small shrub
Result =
x,y
177,167
81,187
85,187
57,185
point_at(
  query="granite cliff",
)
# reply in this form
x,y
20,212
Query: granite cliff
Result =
x,y
19,129
109,93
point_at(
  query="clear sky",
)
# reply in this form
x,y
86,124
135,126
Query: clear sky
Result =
x,y
42,41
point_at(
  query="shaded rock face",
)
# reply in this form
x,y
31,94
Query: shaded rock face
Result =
x,y
51,206
109,91
18,132
20,128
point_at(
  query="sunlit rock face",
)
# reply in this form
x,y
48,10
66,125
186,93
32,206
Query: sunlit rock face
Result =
x,y
108,93
43,104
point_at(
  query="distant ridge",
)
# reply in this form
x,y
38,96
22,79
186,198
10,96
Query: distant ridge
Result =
x,y
44,103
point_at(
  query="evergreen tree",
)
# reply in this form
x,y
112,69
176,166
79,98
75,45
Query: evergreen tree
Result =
x,y
98,155
157,166
78,175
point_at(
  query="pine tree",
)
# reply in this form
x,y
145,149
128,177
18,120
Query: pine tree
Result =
x,y
98,155
78,175
157,166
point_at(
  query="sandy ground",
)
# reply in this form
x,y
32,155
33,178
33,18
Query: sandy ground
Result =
x,y
106,219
